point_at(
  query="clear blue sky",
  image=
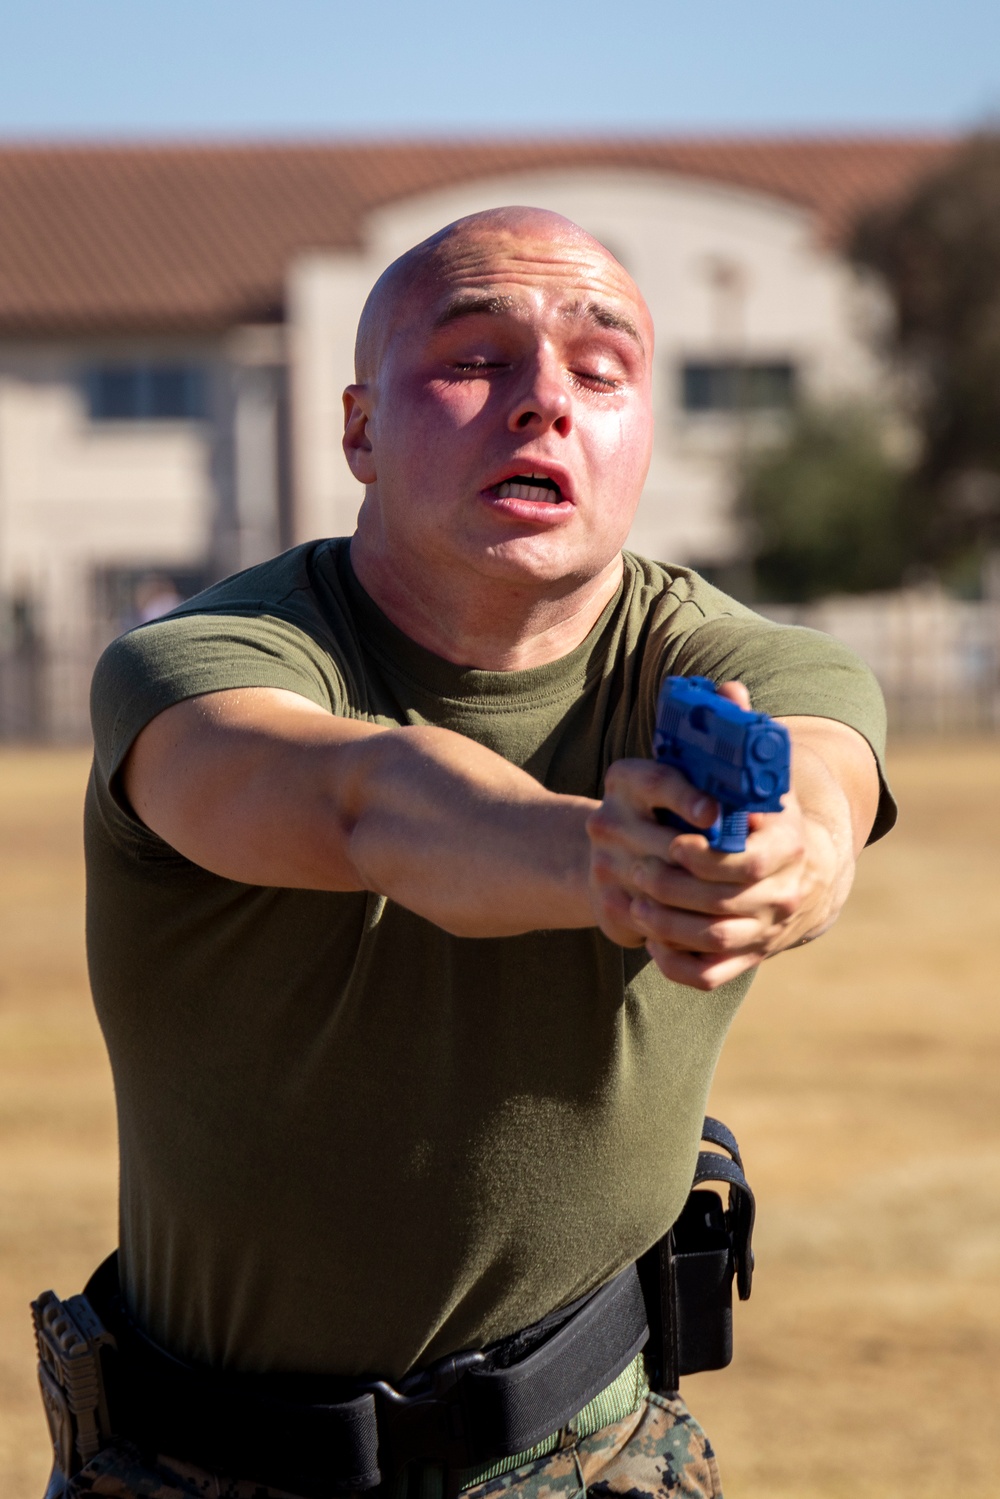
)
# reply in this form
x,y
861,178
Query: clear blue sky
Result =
x,y
98,68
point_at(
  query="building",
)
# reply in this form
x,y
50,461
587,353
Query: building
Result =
x,y
176,327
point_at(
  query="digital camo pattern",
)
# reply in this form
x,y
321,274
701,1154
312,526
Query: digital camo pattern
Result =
x,y
120,1473
659,1452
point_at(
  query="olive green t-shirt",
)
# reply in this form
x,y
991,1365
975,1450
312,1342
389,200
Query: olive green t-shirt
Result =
x,y
350,1142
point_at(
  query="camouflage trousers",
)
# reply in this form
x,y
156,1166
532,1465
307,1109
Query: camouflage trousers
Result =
x,y
657,1452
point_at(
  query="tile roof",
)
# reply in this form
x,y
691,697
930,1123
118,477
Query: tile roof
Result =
x,y
189,238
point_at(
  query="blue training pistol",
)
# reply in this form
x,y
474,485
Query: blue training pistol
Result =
x,y
742,759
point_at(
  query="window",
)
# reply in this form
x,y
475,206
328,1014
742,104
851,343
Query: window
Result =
x,y
733,386
146,392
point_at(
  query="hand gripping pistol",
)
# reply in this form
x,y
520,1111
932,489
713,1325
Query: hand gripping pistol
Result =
x,y
742,759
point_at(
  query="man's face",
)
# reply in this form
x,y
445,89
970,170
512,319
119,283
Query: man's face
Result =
x,y
506,428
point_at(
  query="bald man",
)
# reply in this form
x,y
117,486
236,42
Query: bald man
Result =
x,y
412,1004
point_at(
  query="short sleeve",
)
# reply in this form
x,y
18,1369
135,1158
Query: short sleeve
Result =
x,y
790,671
151,668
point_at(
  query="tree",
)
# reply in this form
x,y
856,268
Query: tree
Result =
x,y
824,509
938,253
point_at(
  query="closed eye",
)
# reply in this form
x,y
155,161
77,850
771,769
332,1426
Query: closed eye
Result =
x,y
589,377
604,382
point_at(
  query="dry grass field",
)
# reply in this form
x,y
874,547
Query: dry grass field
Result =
x,y
861,1079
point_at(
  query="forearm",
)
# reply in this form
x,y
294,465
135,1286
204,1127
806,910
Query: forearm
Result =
x,y
836,785
265,788
454,832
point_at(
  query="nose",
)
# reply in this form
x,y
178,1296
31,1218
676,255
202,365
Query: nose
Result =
x,y
543,402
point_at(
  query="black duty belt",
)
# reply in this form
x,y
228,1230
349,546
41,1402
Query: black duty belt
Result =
x,y
319,1436
459,1412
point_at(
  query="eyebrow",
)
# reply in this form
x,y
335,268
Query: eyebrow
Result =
x,y
491,304
606,317
494,304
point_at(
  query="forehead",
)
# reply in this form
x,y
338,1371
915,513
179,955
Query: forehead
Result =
x,y
540,270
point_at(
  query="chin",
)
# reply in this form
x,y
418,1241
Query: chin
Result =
x,y
545,560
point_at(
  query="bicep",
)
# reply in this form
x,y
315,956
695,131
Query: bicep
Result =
x,y
837,761
251,784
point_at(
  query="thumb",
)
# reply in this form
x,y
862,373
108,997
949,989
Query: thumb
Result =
x,y
736,693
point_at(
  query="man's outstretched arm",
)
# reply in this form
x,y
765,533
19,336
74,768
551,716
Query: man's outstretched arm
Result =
x,y
262,786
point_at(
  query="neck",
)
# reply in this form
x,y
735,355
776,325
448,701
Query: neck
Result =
x,y
493,624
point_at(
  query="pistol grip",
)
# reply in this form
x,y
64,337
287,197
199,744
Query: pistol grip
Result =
x,y
730,832
727,835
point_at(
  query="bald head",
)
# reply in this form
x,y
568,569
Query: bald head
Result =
x,y
502,419
470,253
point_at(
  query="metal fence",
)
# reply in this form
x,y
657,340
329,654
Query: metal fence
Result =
x,y
937,659
45,695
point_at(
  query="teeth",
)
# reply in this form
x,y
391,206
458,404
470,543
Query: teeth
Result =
x,y
520,488
510,491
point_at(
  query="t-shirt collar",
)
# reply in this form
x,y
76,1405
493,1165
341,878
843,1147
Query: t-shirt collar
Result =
x,y
405,658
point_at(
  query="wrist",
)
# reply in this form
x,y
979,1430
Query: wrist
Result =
x,y
830,865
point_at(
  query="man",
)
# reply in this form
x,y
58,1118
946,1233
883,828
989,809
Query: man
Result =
x,y
412,1004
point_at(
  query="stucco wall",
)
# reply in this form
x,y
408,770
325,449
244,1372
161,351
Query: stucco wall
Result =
x,y
77,494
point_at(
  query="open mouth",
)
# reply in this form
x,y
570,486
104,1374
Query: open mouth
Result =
x,y
537,487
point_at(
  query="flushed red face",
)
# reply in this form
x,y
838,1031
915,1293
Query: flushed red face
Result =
x,y
505,427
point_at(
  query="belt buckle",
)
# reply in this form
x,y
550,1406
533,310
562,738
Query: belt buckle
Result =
x,y
427,1418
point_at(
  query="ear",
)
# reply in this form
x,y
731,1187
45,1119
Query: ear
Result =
x,y
357,443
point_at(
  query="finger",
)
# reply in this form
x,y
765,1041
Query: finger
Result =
x,y
772,904
638,856
669,885
612,907
736,693
726,935
699,972
644,785
776,846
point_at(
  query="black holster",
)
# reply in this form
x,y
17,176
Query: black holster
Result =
x,y
73,1350
687,1277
